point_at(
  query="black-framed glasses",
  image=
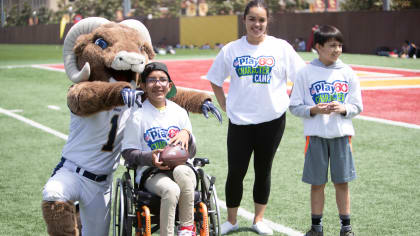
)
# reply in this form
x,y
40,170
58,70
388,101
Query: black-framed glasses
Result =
x,y
162,80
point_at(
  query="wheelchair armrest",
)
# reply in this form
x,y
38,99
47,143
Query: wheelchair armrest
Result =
x,y
201,162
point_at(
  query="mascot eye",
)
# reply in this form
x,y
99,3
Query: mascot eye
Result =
x,y
101,43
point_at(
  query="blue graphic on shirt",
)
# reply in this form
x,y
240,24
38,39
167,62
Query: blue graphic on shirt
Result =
x,y
259,68
158,137
324,92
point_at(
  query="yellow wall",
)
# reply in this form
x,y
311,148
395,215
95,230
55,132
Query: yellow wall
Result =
x,y
208,29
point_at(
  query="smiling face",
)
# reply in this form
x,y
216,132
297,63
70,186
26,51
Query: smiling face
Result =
x,y
256,24
157,85
329,52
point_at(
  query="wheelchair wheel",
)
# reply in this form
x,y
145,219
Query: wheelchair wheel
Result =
x,y
209,196
129,214
214,213
123,209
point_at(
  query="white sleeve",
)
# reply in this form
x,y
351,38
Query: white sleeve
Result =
x,y
297,99
219,70
294,63
133,132
354,105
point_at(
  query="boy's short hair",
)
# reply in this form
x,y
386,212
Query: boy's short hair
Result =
x,y
324,33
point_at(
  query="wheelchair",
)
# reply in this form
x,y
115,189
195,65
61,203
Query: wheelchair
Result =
x,y
136,211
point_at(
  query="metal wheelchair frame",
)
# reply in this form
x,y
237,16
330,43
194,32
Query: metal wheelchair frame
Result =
x,y
135,207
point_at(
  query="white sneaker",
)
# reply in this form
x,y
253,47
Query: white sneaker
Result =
x,y
262,229
228,227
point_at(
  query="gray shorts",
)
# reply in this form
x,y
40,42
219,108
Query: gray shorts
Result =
x,y
321,151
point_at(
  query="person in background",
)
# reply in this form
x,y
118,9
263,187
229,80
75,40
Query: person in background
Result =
x,y
259,66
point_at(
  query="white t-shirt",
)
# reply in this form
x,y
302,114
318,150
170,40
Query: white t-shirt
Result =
x,y
258,78
94,142
317,83
148,128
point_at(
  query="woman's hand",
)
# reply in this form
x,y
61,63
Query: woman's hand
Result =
x,y
156,162
182,138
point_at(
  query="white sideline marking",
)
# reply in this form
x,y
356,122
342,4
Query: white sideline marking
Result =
x,y
389,122
16,110
34,124
391,87
53,107
276,227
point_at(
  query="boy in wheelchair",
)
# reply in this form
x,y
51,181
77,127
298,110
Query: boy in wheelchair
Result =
x,y
149,129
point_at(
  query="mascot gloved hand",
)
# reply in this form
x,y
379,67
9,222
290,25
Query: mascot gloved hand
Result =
x,y
207,107
131,97
103,59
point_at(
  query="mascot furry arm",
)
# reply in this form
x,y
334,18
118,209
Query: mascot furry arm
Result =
x,y
103,57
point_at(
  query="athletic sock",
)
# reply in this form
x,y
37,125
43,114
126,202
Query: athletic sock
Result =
x,y
317,222
345,223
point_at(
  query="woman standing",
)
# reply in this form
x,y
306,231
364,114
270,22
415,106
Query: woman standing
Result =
x,y
259,66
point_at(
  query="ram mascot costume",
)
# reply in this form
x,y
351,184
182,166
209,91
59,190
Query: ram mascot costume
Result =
x,y
104,60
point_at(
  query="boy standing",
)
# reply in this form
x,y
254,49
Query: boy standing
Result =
x,y
326,94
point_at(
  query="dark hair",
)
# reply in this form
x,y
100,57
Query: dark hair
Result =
x,y
325,33
256,3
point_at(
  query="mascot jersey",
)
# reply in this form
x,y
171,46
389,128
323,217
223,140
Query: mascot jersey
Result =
x,y
94,142
323,84
258,78
149,128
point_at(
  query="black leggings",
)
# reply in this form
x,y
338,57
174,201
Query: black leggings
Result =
x,y
263,139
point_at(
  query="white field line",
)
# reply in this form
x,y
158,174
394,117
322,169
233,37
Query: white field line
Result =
x,y
389,122
385,68
276,227
14,66
397,78
34,124
47,67
242,212
391,87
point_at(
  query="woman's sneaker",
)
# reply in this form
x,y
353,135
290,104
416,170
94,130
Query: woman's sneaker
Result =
x,y
228,227
262,229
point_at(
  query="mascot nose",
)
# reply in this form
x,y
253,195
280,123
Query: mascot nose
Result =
x,y
128,61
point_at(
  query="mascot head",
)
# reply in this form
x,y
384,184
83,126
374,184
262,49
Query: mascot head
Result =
x,y
96,49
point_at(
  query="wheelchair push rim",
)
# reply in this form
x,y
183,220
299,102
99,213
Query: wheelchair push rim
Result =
x,y
118,209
